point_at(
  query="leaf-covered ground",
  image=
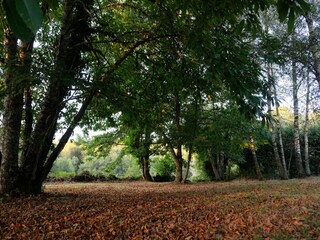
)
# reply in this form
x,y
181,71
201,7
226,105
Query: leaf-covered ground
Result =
x,y
140,210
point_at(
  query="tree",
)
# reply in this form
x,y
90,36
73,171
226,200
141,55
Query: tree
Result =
x,y
295,86
313,39
94,40
268,47
306,128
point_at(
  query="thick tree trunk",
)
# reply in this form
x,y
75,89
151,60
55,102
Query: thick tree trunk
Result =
x,y
13,104
188,165
25,58
297,149
177,156
69,46
213,165
146,156
306,130
229,169
220,160
179,163
146,170
255,159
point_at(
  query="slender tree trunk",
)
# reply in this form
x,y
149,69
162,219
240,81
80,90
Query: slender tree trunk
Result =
x,y
13,104
279,128
313,47
306,129
188,165
255,159
213,165
283,174
297,149
64,139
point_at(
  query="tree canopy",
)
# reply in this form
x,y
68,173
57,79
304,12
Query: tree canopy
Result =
x,y
163,73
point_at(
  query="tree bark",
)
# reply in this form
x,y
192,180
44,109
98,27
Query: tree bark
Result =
x,y
146,170
306,130
297,149
213,165
283,174
255,159
177,155
179,163
45,127
229,169
13,104
146,156
188,165
279,128
25,59
221,165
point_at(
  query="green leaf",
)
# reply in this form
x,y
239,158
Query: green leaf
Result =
x,y
304,5
283,8
240,27
30,12
16,23
291,20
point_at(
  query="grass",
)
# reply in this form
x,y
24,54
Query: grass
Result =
x,y
141,210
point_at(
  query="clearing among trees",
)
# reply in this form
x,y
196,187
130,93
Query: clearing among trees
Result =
x,y
144,210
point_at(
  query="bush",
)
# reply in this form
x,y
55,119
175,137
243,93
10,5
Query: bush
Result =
x,y
163,168
84,177
163,178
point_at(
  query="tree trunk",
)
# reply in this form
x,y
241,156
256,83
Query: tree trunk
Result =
x,y
306,129
213,165
179,163
297,149
283,174
36,153
279,128
13,104
221,165
229,169
313,47
188,165
25,59
37,144
146,170
177,156
255,159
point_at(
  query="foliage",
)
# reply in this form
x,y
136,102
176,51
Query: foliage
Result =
x,y
24,17
146,68
162,168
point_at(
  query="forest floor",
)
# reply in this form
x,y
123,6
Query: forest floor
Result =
x,y
141,210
